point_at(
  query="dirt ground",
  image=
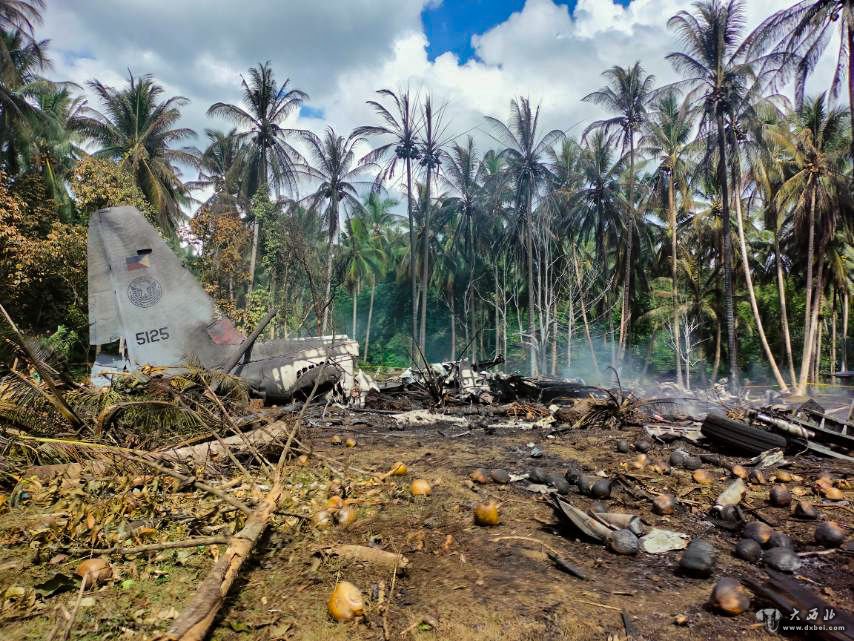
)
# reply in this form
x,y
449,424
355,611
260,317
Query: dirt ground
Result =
x,y
463,581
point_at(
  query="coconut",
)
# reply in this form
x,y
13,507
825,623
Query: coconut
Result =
x,y
538,475
350,442
486,514
782,559
739,471
622,446
336,440
601,489
758,531
302,460
677,458
829,534
346,602
586,483
730,597
780,496
692,463
95,571
703,477
663,504
833,494
346,516
502,477
698,558
783,476
399,469
643,445
748,550
805,510
420,487
480,476
559,483
573,473
623,542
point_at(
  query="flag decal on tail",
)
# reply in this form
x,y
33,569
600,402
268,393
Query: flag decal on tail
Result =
x,y
138,262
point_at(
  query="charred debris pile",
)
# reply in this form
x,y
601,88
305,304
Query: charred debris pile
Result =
x,y
102,485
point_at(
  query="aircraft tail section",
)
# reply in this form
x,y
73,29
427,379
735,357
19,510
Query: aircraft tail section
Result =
x,y
140,291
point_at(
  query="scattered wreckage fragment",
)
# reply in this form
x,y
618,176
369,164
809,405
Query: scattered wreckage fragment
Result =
x,y
775,427
147,310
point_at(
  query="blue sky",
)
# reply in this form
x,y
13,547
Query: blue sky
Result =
x,y
450,26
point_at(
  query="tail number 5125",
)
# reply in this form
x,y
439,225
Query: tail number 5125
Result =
x,y
152,336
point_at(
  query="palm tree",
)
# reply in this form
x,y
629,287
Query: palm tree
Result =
x,y
800,34
52,146
526,164
401,127
430,146
137,129
464,176
381,224
19,16
334,166
627,93
718,77
271,160
363,258
22,59
221,166
815,156
667,138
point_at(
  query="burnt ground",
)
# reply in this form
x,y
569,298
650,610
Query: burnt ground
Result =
x,y
463,581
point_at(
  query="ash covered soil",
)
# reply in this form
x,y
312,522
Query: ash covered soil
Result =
x,y
463,581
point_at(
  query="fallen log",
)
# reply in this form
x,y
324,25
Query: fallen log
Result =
x,y
195,620
373,556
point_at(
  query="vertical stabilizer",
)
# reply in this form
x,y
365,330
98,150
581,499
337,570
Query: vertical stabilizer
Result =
x,y
140,291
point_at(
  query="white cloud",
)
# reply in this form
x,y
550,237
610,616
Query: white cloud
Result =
x,y
341,52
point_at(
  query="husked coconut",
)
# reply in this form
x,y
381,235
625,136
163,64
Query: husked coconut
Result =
x,y
346,602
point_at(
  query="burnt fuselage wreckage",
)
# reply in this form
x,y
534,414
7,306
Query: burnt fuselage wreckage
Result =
x,y
147,310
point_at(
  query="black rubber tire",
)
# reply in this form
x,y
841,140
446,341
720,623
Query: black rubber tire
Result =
x,y
739,435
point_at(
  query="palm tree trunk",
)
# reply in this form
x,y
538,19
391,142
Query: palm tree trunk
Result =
x,y
627,278
496,309
817,358
355,308
425,266
717,362
412,263
781,383
569,320
784,314
529,246
811,337
727,252
671,211
807,346
370,316
844,367
327,298
453,309
584,315
833,338
253,258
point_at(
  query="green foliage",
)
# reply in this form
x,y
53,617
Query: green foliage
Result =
x,y
99,183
